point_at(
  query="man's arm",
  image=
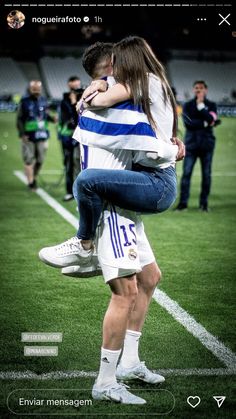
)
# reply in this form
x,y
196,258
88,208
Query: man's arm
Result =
x,y
68,114
50,118
20,120
74,115
191,123
209,115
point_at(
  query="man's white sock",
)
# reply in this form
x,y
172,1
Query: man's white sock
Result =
x,y
130,357
107,371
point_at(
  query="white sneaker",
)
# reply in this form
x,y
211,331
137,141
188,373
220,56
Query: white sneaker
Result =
x,y
69,253
68,197
116,393
140,372
82,271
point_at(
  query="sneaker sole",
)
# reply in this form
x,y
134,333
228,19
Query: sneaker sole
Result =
x,y
128,379
102,397
56,264
76,272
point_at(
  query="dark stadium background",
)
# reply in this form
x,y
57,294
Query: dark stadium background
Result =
x,y
173,32
164,27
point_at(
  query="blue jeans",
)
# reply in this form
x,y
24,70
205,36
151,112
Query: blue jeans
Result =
x,y
146,191
189,163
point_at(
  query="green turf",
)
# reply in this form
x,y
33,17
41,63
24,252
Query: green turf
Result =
x,y
196,253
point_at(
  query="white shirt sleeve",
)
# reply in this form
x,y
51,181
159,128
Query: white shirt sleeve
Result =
x,y
167,153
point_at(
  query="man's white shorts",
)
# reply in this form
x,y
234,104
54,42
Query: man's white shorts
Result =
x,y
123,248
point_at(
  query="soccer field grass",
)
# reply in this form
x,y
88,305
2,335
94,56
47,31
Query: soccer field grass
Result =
x,y
196,253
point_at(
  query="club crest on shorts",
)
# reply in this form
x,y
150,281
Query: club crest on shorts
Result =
x,y
132,254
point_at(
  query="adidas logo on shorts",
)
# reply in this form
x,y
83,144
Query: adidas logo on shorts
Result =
x,y
105,360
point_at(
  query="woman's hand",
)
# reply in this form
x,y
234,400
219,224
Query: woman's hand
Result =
x,y
100,85
78,105
96,85
181,146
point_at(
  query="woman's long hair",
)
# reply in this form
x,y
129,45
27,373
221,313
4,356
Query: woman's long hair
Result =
x,y
133,58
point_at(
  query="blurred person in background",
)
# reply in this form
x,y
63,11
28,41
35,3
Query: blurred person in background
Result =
x,y
67,123
32,125
200,117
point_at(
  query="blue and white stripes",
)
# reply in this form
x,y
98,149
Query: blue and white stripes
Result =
x,y
115,233
114,128
124,126
84,157
117,243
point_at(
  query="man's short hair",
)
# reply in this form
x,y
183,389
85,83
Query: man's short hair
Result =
x,y
200,82
73,78
94,54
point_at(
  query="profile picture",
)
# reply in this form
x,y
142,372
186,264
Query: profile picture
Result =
x,y
16,19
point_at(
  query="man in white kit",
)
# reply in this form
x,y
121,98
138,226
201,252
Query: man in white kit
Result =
x,y
128,266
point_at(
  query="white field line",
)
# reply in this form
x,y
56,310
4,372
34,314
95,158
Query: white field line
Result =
x,y
70,218
62,375
217,348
